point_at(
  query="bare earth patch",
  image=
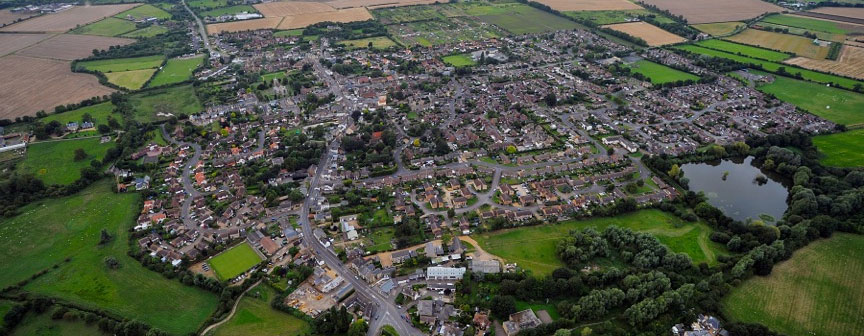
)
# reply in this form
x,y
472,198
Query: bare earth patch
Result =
x,y
7,17
10,43
371,4
850,63
71,47
279,9
68,19
651,34
708,11
589,5
855,13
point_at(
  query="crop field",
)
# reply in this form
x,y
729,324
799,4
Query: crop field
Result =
x,y
850,63
53,161
236,26
68,19
280,9
177,70
604,17
710,11
651,34
71,46
132,80
70,227
459,60
521,19
7,17
234,261
806,23
229,10
146,32
340,16
144,11
720,28
589,5
743,49
416,13
816,292
837,105
533,248
123,64
801,31
255,317
10,43
158,104
855,13
841,149
31,84
660,74
378,3
797,45
379,42
107,27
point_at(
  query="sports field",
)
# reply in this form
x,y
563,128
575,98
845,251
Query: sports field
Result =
x,y
107,27
837,105
132,80
459,60
144,11
659,73
255,317
159,103
379,42
737,48
123,64
842,149
47,232
720,28
533,247
816,292
234,261
54,162
176,70
798,45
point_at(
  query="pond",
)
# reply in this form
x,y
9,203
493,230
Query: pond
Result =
x,y
732,186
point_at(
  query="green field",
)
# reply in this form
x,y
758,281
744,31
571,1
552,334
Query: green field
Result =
x,y
550,308
816,292
107,27
99,113
604,17
381,240
178,100
659,73
54,162
806,23
379,42
229,11
123,64
44,325
533,247
207,3
176,70
273,75
459,60
720,28
737,48
287,33
132,80
837,105
255,317
49,231
520,19
144,11
842,149
146,32
234,261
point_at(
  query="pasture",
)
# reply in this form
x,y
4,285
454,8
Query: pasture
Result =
x,y
107,27
659,73
520,19
604,17
651,34
837,105
53,161
44,325
71,46
68,19
99,113
798,45
176,70
850,63
150,31
841,149
123,64
816,292
70,227
207,3
255,317
379,42
459,60
710,11
132,80
234,261
158,104
806,23
720,28
533,247
144,11
750,51
589,5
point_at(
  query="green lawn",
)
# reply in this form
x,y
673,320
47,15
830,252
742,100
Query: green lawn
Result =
x,y
255,317
178,100
659,73
550,307
44,325
132,80
267,78
287,33
381,240
107,27
98,112
737,48
459,60
234,261
229,11
842,149
379,42
146,32
54,161
802,22
816,292
123,64
837,105
533,247
144,11
49,231
176,70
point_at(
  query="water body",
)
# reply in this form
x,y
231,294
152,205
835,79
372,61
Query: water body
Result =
x,y
739,195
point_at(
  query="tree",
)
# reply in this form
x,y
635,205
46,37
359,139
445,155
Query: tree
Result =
x,y
112,262
103,129
80,154
502,306
511,149
104,237
417,142
359,327
674,172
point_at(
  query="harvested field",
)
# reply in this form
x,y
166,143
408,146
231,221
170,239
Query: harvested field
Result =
x,y
280,9
68,19
132,80
855,13
716,29
7,17
265,23
71,47
589,5
10,43
850,63
709,11
341,15
378,3
651,34
798,45
34,84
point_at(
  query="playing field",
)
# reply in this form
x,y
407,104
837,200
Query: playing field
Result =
x,y
144,11
797,45
720,28
816,292
158,104
459,60
649,33
132,80
533,247
255,317
177,70
842,149
53,162
107,27
709,11
379,42
123,64
837,105
659,73
234,261
737,48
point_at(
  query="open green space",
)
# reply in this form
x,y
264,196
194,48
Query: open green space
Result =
x,y
132,80
287,33
99,113
176,70
837,105
806,23
107,27
51,230
659,73
381,240
533,248
719,28
231,10
144,11
378,42
54,161
604,17
44,325
255,317
123,64
518,18
269,77
234,261
841,149
207,3
816,292
157,104
150,31
459,60
737,48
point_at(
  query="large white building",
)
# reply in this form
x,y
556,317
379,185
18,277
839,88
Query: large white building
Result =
x,y
444,273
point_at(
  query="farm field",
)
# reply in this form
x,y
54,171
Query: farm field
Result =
x,y
709,11
534,247
157,104
207,3
229,10
743,49
521,19
123,64
144,11
234,261
855,13
837,105
817,291
132,80
589,5
235,26
255,317
10,43
107,27
71,227
44,325
797,45
380,42
287,33
649,33
7,17
99,113
371,4
176,70
850,62
280,9
801,31
660,74
340,16
146,32
459,60
841,149
604,17
72,46
806,23
720,28
68,19
53,162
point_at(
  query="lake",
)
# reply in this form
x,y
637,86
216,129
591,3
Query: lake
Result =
x,y
739,195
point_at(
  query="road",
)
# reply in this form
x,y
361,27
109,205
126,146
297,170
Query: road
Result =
x,y
201,29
